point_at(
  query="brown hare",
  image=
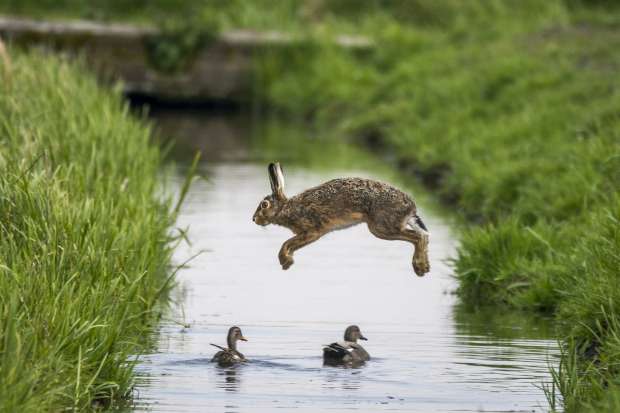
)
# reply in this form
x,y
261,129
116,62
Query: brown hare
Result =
x,y
340,203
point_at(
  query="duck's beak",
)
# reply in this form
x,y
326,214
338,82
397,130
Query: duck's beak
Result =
x,y
363,338
243,338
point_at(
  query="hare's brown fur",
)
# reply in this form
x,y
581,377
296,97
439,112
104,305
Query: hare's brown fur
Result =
x,y
340,203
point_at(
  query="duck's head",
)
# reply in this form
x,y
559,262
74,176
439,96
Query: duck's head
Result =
x,y
353,333
234,335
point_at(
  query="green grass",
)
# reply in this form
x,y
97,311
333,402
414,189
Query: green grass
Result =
x,y
84,245
513,121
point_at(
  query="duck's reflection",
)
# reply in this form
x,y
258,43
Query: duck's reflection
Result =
x,y
228,378
343,377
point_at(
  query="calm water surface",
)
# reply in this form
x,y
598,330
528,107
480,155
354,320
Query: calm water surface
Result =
x,y
427,355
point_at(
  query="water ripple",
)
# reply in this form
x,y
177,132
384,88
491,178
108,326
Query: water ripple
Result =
x,y
429,355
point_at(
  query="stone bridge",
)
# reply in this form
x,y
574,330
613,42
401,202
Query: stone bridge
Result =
x,y
218,70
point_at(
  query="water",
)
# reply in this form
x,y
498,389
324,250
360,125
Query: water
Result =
x,y
428,355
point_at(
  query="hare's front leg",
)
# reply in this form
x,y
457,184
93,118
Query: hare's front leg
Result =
x,y
293,244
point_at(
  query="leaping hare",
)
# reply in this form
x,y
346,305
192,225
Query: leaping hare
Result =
x,y
341,203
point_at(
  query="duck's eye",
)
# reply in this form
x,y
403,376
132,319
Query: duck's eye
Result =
x,y
264,204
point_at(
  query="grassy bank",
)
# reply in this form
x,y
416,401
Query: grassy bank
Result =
x,y
84,244
511,117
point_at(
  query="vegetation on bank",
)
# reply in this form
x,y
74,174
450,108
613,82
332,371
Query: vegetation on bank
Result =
x,y
84,238
512,117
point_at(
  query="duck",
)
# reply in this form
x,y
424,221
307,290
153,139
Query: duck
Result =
x,y
228,356
347,351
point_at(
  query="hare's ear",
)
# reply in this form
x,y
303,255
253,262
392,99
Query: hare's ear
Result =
x,y
280,176
276,177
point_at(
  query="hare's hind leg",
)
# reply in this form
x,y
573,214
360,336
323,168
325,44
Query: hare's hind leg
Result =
x,y
399,231
293,244
421,264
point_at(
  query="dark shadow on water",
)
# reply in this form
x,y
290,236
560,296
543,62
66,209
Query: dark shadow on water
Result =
x,y
346,366
276,365
502,325
200,361
254,363
337,380
230,378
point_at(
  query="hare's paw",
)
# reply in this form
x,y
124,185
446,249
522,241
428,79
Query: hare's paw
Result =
x,y
286,261
421,266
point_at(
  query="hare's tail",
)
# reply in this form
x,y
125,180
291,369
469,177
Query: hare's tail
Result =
x,y
420,223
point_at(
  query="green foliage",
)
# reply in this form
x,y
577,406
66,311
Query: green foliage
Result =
x,y
519,130
173,49
515,123
507,263
137,10
594,275
84,247
589,377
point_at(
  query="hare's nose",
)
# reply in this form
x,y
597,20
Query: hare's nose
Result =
x,y
254,219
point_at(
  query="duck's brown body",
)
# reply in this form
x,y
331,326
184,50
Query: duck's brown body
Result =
x,y
228,356
344,352
347,351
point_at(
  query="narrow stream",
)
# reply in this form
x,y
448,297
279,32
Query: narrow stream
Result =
x,y
428,355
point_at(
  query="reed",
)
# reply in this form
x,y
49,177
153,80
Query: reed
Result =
x,y
85,244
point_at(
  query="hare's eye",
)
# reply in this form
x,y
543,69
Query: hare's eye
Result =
x,y
264,204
